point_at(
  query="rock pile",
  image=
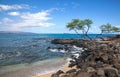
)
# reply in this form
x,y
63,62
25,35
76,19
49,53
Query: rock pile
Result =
x,y
98,60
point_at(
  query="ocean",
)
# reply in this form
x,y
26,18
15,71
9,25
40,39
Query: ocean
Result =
x,y
31,50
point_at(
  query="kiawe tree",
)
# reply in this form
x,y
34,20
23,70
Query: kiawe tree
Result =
x,y
87,23
108,28
80,25
105,28
75,25
115,29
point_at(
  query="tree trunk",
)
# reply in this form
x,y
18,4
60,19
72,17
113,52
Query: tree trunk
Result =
x,y
76,32
100,35
83,31
86,33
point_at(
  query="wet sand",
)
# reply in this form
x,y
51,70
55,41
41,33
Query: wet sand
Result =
x,y
64,68
31,70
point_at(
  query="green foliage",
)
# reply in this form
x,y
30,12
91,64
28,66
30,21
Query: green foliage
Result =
x,y
84,26
77,25
115,29
108,28
88,22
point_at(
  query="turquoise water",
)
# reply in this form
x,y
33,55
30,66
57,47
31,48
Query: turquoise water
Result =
x,y
29,48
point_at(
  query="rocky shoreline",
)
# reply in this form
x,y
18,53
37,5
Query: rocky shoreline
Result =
x,y
99,58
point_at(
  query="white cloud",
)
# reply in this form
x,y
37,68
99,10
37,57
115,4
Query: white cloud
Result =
x,y
14,13
28,20
41,16
11,7
6,21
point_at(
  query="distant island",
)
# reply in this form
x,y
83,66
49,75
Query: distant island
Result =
x,y
16,32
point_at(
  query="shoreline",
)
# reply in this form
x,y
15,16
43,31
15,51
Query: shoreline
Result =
x,y
65,68
31,70
97,60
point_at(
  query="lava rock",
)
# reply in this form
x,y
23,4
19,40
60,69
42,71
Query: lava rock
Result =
x,y
71,71
99,64
105,58
111,72
54,75
82,74
59,72
90,69
62,41
64,75
100,72
117,65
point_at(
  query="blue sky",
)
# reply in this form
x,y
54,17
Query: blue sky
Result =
x,y
51,16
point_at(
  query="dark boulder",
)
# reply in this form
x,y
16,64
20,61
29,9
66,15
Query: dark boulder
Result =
x,y
90,69
100,72
54,75
71,71
99,64
117,65
94,75
64,75
59,72
82,74
62,41
111,72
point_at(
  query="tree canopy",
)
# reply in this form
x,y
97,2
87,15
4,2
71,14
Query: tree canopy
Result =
x,y
75,24
108,28
84,26
80,25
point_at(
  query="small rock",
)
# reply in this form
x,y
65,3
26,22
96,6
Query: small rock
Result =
x,y
72,74
117,65
115,60
64,75
111,72
78,72
106,65
90,69
105,57
71,71
82,74
100,53
92,64
59,72
94,75
100,72
99,64
118,57
54,75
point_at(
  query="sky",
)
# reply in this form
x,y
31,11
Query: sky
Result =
x,y
51,16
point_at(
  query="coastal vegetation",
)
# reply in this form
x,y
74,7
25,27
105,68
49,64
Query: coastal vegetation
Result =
x,y
80,25
108,28
84,26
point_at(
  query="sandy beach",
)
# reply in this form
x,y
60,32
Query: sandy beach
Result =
x,y
31,70
64,68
